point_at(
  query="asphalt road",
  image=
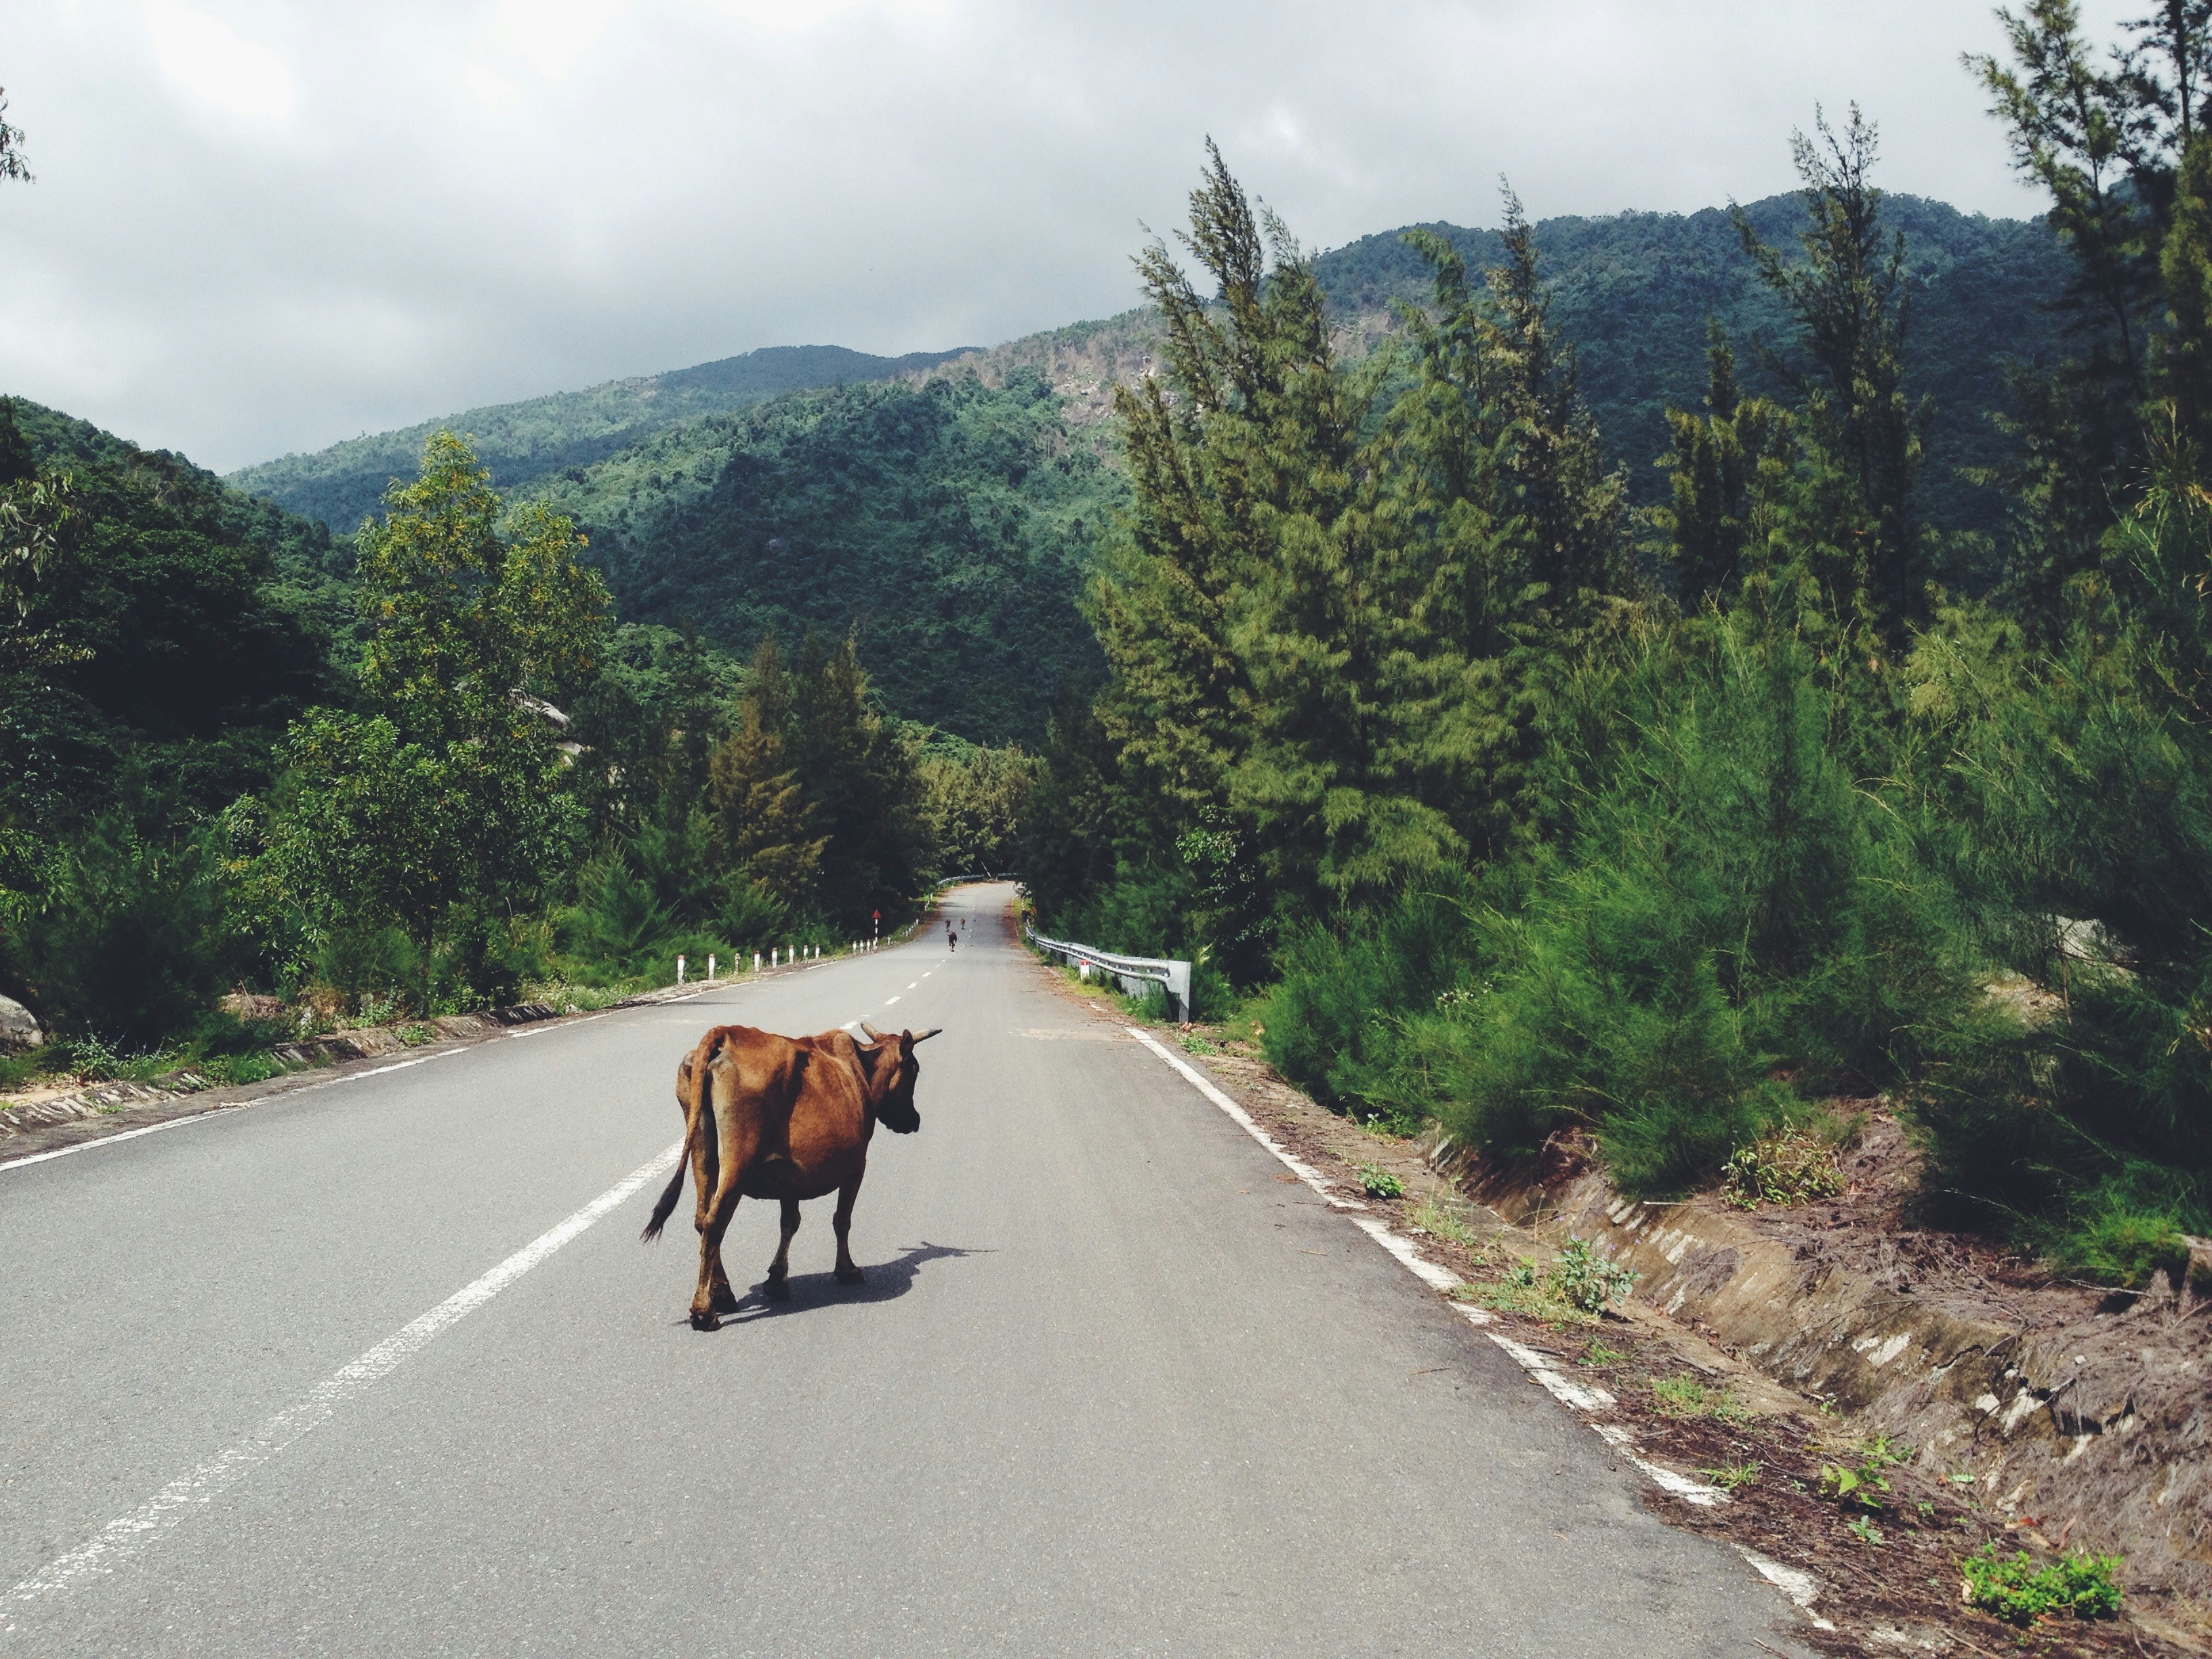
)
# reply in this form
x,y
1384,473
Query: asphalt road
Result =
x,y
1113,1386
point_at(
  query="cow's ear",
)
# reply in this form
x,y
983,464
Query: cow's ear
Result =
x,y
924,1036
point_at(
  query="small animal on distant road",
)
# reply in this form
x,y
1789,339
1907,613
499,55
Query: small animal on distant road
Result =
x,y
785,1118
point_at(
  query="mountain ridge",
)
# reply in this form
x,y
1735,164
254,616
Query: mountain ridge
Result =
x,y
529,438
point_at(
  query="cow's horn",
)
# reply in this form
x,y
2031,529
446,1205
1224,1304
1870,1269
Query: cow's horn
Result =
x,y
874,1036
924,1036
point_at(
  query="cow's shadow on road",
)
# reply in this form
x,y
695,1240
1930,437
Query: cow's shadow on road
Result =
x,y
886,1282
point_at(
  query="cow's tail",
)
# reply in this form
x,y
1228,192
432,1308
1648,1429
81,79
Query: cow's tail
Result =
x,y
666,1205
696,1112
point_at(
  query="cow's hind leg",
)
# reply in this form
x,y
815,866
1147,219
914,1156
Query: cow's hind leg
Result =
x,y
779,1270
849,1271
706,1303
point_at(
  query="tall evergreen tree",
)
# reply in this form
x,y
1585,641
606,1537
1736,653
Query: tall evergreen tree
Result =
x,y
1726,472
763,824
1571,505
1852,304
12,165
862,782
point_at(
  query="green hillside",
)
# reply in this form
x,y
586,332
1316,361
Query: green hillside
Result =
x,y
949,521
522,442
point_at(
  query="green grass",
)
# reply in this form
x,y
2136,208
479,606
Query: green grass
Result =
x,y
1527,1291
1432,1215
1685,1397
1733,1477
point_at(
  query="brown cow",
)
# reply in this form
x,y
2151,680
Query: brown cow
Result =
x,y
786,1118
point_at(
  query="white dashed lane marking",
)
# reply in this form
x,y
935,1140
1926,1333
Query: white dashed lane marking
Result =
x,y
127,1535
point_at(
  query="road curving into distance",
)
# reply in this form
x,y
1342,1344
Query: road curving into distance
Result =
x,y
384,1370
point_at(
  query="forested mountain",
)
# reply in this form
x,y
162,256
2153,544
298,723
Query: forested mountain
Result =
x,y
949,523
949,507
183,621
522,442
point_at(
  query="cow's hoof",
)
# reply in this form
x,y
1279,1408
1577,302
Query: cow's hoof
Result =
x,y
705,1322
851,1276
726,1299
777,1289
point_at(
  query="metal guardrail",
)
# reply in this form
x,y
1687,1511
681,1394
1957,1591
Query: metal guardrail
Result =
x,y
1175,976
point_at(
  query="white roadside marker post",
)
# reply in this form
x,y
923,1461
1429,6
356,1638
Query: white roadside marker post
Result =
x,y
710,967
679,971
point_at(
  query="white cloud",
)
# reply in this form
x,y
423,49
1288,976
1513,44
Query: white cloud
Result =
x,y
203,55
259,225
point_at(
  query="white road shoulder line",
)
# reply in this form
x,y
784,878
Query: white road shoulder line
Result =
x,y
1584,1397
889,1000
1430,1273
378,1071
1689,1490
113,1546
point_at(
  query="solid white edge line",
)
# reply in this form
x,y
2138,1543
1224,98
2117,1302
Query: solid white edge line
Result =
x,y
1794,1582
1304,1171
106,1550
1436,1276
1689,1490
1584,1397
1581,1397
212,1112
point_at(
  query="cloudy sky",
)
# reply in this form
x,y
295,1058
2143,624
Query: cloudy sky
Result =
x,y
259,227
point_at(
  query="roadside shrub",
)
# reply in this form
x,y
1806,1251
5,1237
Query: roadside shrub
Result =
x,y
618,918
749,915
126,939
2016,1589
1788,1166
369,967
1731,910
1333,1023
1587,1281
1149,1004
1378,1182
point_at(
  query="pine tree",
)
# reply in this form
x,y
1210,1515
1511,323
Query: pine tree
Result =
x,y
1726,472
1570,507
762,822
862,779
2183,361
1852,304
